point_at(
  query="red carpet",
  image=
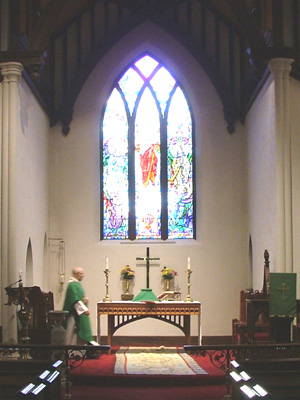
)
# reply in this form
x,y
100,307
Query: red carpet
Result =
x,y
95,379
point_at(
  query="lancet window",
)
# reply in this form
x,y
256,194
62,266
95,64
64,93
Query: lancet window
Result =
x,y
147,160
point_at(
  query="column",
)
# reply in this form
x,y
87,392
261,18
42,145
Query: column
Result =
x,y
280,69
10,122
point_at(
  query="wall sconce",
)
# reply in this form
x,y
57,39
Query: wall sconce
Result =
x,y
62,267
59,244
61,279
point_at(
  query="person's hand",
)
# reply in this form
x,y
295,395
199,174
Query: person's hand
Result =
x,y
87,312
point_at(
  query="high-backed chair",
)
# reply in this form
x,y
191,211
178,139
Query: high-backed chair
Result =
x,y
253,328
240,327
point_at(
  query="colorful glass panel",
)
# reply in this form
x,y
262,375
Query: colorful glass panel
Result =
x,y
115,169
147,168
163,83
155,102
180,168
146,65
131,84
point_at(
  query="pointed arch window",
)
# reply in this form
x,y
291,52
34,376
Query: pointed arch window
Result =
x,y
147,162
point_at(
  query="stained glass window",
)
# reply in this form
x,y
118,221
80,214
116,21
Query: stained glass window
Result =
x,y
147,156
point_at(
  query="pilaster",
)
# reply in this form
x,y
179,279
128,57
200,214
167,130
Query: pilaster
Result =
x,y
10,119
280,69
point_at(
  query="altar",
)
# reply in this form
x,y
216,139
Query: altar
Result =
x,y
121,313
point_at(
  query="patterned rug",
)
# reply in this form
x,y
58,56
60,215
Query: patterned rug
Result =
x,y
155,361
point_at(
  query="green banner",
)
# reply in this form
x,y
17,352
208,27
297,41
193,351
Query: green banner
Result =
x,y
283,294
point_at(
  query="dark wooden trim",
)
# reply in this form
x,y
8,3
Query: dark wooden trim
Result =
x,y
277,22
248,24
295,23
44,28
65,62
189,17
218,42
93,25
256,83
231,63
101,48
165,340
106,18
203,26
78,41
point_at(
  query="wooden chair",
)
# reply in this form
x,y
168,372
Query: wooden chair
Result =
x,y
241,331
240,327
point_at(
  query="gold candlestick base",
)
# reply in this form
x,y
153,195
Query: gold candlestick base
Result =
x,y
106,299
188,297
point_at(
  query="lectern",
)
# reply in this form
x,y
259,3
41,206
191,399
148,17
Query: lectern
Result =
x,y
33,314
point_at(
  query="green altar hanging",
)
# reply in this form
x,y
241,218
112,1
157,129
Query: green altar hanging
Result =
x,y
283,294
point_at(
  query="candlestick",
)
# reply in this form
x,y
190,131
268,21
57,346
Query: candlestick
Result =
x,y
106,299
188,297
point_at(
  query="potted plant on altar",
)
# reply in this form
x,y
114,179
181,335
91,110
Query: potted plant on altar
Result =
x,y
127,276
168,274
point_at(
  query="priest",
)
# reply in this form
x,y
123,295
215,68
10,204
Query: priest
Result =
x,y
76,303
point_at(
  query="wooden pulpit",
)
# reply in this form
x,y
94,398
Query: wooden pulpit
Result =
x,y
35,304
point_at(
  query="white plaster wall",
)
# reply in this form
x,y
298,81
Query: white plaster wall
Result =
x,y
219,257
260,124
32,185
295,135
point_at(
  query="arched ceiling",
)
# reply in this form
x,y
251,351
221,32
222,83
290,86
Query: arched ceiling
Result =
x,y
234,29
56,14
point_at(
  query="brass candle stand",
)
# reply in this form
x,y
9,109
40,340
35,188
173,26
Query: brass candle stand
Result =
x,y
106,299
188,297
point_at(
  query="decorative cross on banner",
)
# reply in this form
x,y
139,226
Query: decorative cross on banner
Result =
x,y
284,288
147,259
283,294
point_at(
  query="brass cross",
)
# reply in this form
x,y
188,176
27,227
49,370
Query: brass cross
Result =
x,y
283,289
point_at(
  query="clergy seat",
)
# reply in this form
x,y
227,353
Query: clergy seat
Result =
x,y
39,326
240,327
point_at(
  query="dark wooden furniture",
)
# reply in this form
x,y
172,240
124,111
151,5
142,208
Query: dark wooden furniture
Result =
x,y
40,303
279,327
34,304
259,328
177,313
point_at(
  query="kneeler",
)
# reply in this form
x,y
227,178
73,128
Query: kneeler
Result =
x,y
283,307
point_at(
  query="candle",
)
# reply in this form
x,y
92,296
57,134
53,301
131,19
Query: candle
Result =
x,y
20,274
106,263
189,263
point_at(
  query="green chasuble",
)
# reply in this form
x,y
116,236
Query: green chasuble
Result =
x,y
75,293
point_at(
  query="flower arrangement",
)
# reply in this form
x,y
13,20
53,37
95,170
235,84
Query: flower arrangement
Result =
x,y
127,273
168,273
